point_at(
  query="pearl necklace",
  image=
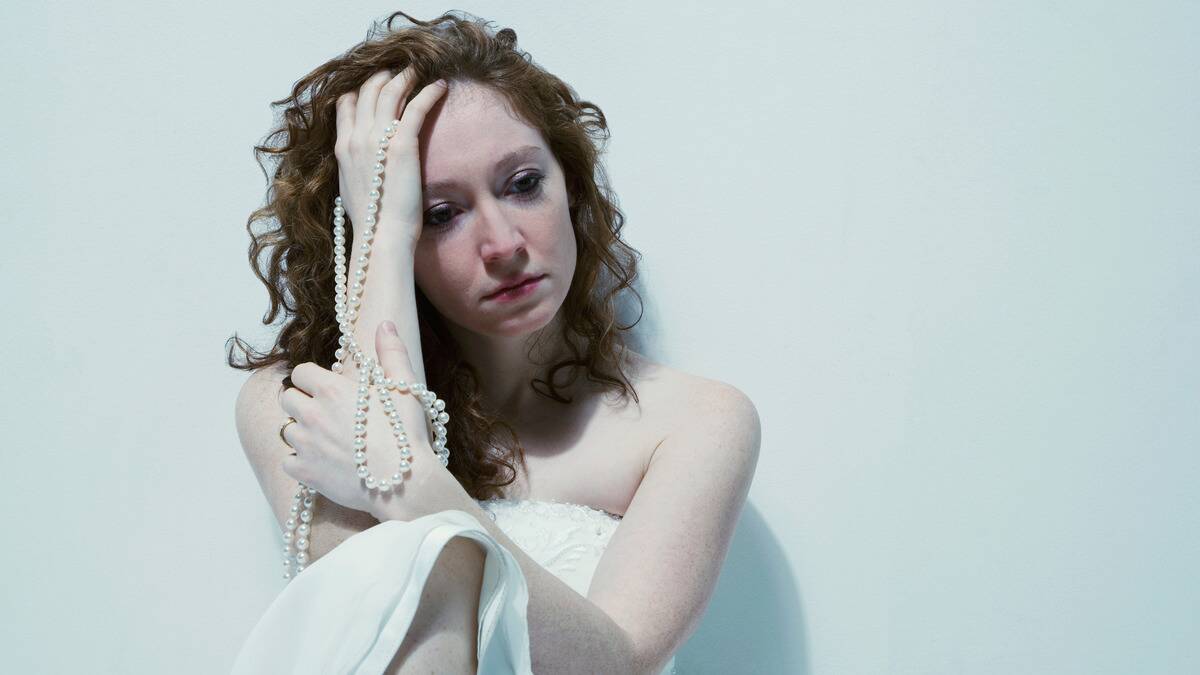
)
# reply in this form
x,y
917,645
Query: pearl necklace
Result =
x,y
298,526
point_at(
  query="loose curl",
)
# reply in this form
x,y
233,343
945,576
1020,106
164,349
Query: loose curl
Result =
x,y
299,272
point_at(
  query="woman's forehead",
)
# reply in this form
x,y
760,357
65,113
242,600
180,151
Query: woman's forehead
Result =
x,y
467,107
465,135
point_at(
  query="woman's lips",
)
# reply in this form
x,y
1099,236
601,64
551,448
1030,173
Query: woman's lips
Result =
x,y
516,292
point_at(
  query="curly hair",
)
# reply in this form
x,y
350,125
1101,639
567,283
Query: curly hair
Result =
x,y
299,272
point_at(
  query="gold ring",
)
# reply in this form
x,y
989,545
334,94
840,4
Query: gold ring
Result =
x,y
289,421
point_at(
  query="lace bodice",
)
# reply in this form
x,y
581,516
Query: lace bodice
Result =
x,y
567,539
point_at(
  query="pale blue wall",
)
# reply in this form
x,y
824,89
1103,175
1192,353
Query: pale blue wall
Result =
x,y
949,249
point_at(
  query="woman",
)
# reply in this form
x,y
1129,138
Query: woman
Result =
x,y
590,494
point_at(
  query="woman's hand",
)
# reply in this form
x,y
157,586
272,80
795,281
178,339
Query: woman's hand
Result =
x,y
362,120
324,404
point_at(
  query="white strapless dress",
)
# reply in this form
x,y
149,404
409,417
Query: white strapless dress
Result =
x,y
348,611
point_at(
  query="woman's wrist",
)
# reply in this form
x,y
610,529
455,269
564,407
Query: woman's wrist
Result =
x,y
389,295
430,488
388,240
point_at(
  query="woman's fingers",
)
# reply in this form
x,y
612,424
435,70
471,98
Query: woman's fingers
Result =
x,y
295,403
345,123
294,468
393,355
312,379
391,100
368,95
397,365
289,437
414,114
298,406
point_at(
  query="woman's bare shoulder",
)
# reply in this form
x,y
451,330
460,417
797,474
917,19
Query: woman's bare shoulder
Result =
x,y
683,404
687,390
268,376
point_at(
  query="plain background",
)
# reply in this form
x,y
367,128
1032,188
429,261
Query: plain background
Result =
x,y
949,250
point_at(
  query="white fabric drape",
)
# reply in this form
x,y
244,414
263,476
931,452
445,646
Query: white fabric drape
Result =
x,y
349,611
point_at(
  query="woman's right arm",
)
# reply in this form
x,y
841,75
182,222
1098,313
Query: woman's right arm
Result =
x,y
259,416
389,291
390,287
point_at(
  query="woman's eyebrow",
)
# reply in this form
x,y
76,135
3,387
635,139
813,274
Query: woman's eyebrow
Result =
x,y
510,159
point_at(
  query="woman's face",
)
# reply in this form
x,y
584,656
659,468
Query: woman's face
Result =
x,y
495,209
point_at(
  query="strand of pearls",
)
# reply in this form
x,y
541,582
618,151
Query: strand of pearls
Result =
x,y
298,526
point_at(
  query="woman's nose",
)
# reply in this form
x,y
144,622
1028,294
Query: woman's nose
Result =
x,y
502,236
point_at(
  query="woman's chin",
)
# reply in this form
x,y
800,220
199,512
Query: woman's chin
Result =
x,y
521,325
518,328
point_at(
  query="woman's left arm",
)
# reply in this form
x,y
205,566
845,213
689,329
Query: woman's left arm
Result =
x,y
660,567
662,563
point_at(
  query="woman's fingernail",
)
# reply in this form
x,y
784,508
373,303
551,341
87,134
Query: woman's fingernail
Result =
x,y
389,328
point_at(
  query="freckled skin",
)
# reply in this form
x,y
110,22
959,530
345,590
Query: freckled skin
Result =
x,y
595,450
490,233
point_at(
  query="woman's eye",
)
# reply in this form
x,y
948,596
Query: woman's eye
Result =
x,y
438,217
528,184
